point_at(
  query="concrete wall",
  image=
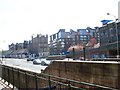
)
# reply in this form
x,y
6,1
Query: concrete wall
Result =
x,y
96,72
101,73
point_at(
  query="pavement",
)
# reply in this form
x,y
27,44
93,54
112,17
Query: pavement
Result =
x,y
4,86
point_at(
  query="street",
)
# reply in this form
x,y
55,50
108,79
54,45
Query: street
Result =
x,y
23,64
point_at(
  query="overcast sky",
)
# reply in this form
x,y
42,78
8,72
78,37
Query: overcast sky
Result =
x,y
20,19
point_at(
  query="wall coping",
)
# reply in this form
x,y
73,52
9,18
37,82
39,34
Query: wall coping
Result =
x,y
108,62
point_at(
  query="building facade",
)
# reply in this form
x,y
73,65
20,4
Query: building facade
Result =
x,y
109,45
18,50
61,41
56,45
108,39
39,45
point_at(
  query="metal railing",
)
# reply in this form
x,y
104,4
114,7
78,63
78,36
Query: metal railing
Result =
x,y
29,80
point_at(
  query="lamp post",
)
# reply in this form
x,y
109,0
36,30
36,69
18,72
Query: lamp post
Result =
x,y
117,35
73,53
84,49
84,53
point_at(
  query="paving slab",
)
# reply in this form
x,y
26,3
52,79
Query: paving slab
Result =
x,y
4,86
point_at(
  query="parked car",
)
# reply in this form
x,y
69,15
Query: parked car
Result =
x,y
37,61
30,59
45,62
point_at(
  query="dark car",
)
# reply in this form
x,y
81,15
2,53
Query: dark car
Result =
x,y
30,59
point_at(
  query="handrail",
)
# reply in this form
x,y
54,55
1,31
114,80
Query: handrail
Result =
x,y
78,82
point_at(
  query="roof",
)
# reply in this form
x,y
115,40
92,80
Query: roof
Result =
x,y
8,52
22,51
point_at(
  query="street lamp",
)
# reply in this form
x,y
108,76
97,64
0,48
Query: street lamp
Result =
x,y
117,35
84,53
84,49
73,53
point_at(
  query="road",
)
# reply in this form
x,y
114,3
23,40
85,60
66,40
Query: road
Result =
x,y
23,64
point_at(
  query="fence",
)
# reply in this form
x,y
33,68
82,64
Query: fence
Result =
x,y
25,80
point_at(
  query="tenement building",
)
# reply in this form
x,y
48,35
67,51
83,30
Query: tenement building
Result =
x,y
18,50
39,45
109,39
109,36
36,47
